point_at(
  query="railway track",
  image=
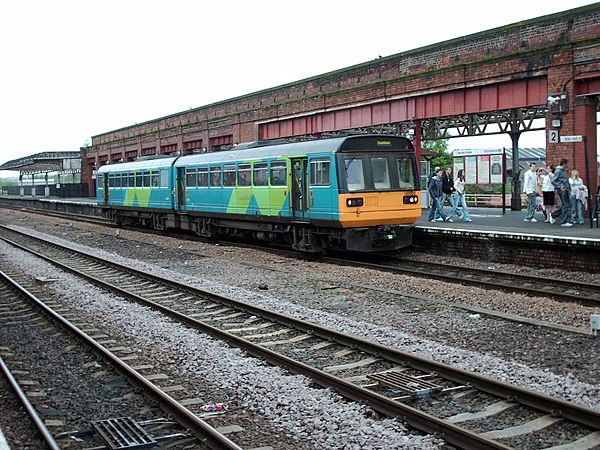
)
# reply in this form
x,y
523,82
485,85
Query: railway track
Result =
x,y
395,383
587,294
31,323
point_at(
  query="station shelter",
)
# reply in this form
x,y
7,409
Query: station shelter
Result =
x,y
47,174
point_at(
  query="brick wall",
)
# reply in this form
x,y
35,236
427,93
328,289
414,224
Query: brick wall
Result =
x,y
537,47
535,253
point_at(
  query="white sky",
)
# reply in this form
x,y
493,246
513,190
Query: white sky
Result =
x,y
71,69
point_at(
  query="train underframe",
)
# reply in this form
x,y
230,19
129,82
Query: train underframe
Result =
x,y
303,236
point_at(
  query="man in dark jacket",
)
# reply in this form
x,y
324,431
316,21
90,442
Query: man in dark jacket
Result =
x,y
448,187
435,191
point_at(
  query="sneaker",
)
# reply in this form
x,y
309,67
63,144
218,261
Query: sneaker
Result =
x,y
469,220
566,224
533,220
580,223
439,220
527,220
448,219
432,220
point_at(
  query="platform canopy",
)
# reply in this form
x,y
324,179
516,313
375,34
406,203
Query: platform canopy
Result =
x,y
46,162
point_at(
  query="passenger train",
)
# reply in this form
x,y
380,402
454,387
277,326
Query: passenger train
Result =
x,y
357,193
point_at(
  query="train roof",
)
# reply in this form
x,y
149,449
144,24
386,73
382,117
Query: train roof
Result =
x,y
154,163
248,151
267,149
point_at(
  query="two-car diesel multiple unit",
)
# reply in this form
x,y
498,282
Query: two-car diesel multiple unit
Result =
x,y
358,193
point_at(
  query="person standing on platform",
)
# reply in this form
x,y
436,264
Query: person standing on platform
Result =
x,y
576,185
435,191
561,183
530,188
548,193
459,197
431,176
448,188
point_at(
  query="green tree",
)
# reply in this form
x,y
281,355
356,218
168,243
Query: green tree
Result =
x,y
439,146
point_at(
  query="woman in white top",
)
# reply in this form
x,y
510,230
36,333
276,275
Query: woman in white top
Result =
x,y
459,196
548,193
576,183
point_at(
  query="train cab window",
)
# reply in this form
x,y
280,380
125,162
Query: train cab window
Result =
x,y
278,173
154,178
203,176
131,180
381,172
146,179
260,174
164,178
138,179
405,172
190,177
355,175
244,175
319,172
215,176
229,175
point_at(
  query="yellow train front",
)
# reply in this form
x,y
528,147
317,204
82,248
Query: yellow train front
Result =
x,y
378,197
358,193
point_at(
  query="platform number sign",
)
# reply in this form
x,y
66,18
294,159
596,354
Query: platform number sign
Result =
x,y
553,137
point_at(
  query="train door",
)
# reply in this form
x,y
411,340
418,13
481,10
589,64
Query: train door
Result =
x,y
105,186
180,188
299,188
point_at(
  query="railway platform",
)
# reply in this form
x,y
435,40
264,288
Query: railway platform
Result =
x,y
512,222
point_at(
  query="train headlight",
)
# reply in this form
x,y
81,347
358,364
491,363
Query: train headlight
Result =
x,y
354,202
410,199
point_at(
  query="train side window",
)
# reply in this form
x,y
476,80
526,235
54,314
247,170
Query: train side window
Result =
x,y
278,173
319,172
154,178
260,174
355,175
131,180
203,176
138,179
215,176
244,175
229,175
405,173
118,180
111,180
99,181
164,178
146,179
190,177
381,172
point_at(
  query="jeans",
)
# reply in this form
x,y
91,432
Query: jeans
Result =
x,y
460,198
530,205
436,208
576,213
564,199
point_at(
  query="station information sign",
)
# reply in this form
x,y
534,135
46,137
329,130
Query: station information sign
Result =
x,y
481,166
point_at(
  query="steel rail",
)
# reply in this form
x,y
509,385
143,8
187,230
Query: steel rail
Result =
x,y
35,417
418,419
203,431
